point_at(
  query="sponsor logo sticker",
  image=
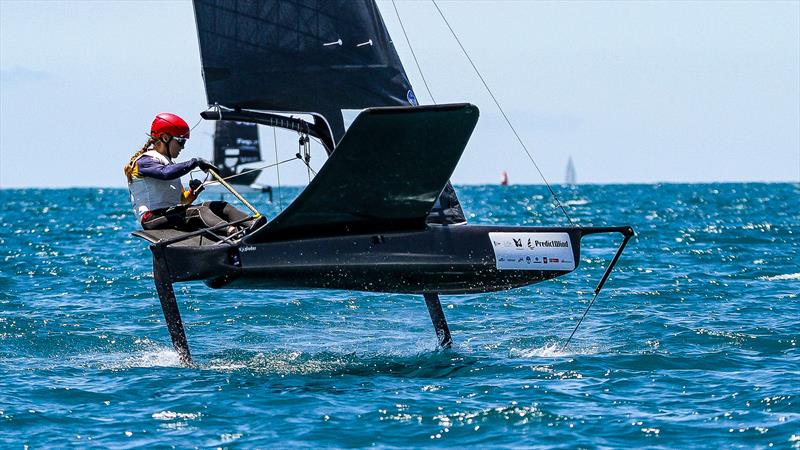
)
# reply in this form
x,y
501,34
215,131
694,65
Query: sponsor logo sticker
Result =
x,y
411,98
532,251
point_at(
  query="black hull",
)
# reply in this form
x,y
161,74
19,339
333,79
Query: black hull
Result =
x,y
438,259
442,259
246,179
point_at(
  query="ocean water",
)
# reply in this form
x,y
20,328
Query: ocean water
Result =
x,y
692,344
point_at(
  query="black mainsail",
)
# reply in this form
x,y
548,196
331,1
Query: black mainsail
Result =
x,y
328,57
318,56
236,143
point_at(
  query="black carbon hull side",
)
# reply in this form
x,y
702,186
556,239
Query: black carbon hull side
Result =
x,y
442,259
438,259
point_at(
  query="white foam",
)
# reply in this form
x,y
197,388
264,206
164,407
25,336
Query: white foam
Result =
x,y
161,357
153,355
787,276
553,350
227,366
171,415
576,202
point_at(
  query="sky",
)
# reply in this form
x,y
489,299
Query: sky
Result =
x,y
634,92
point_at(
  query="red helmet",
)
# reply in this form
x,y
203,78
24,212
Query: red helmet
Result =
x,y
171,124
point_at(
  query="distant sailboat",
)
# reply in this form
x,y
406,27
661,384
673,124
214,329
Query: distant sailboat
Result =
x,y
504,179
570,179
236,144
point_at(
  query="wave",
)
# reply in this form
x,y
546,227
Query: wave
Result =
x,y
783,277
579,202
172,415
553,350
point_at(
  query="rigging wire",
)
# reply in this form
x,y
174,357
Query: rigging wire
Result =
x,y
408,41
195,125
310,170
305,148
305,161
317,141
524,147
277,166
245,172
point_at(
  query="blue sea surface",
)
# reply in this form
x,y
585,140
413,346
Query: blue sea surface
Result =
x,y
693,343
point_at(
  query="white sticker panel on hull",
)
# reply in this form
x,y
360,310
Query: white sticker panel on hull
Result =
x,y
532,251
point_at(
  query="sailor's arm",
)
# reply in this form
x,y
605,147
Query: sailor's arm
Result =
x,y
151,167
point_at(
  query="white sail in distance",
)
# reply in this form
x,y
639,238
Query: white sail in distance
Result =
x,y
570,178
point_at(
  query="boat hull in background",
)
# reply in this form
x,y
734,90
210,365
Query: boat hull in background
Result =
x,y
244,183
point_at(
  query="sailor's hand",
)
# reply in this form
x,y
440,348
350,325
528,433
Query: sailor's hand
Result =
x,y
204,165
196,187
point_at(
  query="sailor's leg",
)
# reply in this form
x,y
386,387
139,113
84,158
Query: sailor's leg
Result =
x,y
230,213
438,319
169,305
226,211
204,215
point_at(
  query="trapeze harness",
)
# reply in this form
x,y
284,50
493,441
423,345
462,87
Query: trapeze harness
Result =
x,y
157,194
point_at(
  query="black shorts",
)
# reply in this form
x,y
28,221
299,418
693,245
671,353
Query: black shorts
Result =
x,y
192,217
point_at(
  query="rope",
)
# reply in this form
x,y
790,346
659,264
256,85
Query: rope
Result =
x,y
524,147
277,167
408,41
304,154
307,157
309,169
195,125
244,172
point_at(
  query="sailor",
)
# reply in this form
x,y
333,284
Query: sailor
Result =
x,y
154,181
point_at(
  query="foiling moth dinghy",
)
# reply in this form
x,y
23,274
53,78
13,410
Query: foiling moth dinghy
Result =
x,y
372,233
380,215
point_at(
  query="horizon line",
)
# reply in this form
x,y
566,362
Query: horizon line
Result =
x,y
467,184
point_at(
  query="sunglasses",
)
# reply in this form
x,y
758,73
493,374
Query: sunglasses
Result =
x,y
180,140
